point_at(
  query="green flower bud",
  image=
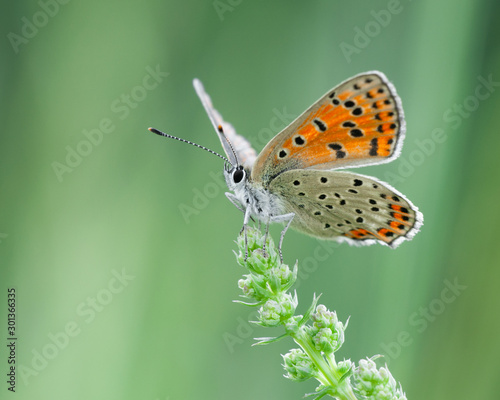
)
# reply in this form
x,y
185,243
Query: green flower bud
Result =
x,y
292,325
399,395
285,275
298,366
275,312
246,286
255,286
257,263
255,243
269,313
344,367
327,332
375,383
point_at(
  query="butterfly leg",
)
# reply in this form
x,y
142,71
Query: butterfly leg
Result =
x,y
287,218
233,199
245,223
265,236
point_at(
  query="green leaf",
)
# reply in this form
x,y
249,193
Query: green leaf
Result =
x,y
249,304
309,311
319,395
267,340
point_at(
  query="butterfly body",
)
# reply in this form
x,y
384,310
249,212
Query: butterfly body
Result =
x,y
255,200
298,178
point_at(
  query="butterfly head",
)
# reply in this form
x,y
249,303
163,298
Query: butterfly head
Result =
x,y
234,172
236,176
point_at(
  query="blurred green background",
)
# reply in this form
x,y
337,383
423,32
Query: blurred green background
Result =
x,y
89,195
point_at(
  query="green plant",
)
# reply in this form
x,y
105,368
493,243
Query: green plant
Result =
x,y
319,333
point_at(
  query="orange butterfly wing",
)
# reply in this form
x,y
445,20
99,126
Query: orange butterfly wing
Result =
x,y
360,122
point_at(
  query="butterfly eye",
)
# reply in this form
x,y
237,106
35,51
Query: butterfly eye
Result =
x,y
238,175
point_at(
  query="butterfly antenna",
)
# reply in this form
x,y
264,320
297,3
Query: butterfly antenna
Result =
x,y
188,142
221,131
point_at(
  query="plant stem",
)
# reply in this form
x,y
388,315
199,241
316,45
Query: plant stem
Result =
x,y
328,371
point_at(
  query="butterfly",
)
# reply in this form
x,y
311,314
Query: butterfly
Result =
x,y
298,178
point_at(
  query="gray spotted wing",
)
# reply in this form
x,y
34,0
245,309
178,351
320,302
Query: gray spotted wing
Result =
x,y
245,153
341,205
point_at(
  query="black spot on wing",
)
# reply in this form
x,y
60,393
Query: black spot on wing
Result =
x,y
320,125
356,133
299,140
374,147
357,111
338,149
